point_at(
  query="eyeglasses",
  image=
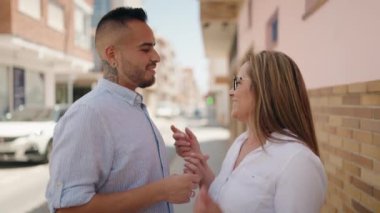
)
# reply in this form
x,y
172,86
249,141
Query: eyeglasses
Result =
x,y
236,82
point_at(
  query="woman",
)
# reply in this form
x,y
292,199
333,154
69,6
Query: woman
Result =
x,y
274,166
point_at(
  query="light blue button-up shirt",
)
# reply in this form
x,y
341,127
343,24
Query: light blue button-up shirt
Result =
x,y
106,142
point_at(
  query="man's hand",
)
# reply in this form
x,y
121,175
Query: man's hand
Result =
x,y
179,188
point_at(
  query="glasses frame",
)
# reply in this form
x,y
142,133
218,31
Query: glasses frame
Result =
x,y
236,82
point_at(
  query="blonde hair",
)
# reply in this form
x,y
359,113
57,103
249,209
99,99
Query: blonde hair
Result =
x,y
281,100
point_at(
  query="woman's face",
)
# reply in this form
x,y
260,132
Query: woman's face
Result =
x,y
242,96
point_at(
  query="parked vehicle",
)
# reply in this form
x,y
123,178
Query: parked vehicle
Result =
x,y
26,135
167,110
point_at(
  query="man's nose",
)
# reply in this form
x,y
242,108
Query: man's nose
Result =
x,y
156,57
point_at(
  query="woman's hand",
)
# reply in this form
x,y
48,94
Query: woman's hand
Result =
x,y
185,142
196,163
204,203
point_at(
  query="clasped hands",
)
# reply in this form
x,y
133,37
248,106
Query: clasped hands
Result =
x,y
188,147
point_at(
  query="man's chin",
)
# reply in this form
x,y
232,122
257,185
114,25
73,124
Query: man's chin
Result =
x,y
147,83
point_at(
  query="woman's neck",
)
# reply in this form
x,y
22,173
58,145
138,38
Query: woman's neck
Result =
x,y
253,137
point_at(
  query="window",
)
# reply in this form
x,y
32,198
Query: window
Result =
x,y
61,93
82,28
272,31
34,88
56,16
311,6
31,8
4,91
18,87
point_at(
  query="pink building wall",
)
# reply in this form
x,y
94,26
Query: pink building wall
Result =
x,y
338,44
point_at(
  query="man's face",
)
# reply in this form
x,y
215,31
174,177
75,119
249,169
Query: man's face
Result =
x,y
136,57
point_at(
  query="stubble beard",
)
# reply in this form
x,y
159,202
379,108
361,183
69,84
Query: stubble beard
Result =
x,y
147,83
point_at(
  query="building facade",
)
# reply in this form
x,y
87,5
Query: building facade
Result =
x,y
335,44
44,51
218,19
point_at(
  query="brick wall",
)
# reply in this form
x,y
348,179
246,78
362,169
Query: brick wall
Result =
x,y
37,31
347,122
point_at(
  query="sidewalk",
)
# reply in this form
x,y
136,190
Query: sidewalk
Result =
x,y
216,149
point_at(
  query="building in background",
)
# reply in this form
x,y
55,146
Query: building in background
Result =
x,y
161,98
189,98
219,30
335,43
44,52
175,91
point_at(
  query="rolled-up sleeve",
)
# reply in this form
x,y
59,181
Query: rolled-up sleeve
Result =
x,y
81,159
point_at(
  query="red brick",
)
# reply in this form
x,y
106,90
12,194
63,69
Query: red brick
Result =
x,y
347,209
351,123
376,194
357,88
376,139
339,90
342,153
370,99
373,86
344,132
362,161
362,136
376,113
15,22
362,185
352,99
359,207
335,180
351,168
326,91
357,112
371,125
370,151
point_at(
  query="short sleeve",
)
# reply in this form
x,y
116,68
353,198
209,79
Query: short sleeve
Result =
x,y
81,159
302,185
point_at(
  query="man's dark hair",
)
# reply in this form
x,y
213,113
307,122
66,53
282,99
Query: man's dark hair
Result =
x,y
122,15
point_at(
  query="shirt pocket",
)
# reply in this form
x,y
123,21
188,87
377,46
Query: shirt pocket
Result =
x,y
254,183
246,191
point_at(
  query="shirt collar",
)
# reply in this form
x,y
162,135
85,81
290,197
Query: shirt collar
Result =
x,y
126,94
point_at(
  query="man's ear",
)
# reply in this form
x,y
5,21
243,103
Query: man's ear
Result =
x,y
110,55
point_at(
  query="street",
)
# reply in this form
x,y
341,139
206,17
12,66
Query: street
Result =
x,y
23,185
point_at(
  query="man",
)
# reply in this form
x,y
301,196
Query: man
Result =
x,y
108,156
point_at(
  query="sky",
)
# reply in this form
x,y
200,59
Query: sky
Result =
x,y
178,22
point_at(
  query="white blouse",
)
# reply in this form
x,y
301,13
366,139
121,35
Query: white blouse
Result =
x,y
285,176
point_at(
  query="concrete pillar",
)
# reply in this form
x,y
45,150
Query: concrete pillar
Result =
x,y
49,89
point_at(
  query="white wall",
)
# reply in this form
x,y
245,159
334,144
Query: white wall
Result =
x,y
338,44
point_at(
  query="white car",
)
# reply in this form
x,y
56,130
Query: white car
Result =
x,y
26,135
167,110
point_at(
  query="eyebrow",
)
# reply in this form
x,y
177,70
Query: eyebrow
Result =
x,y
147,44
